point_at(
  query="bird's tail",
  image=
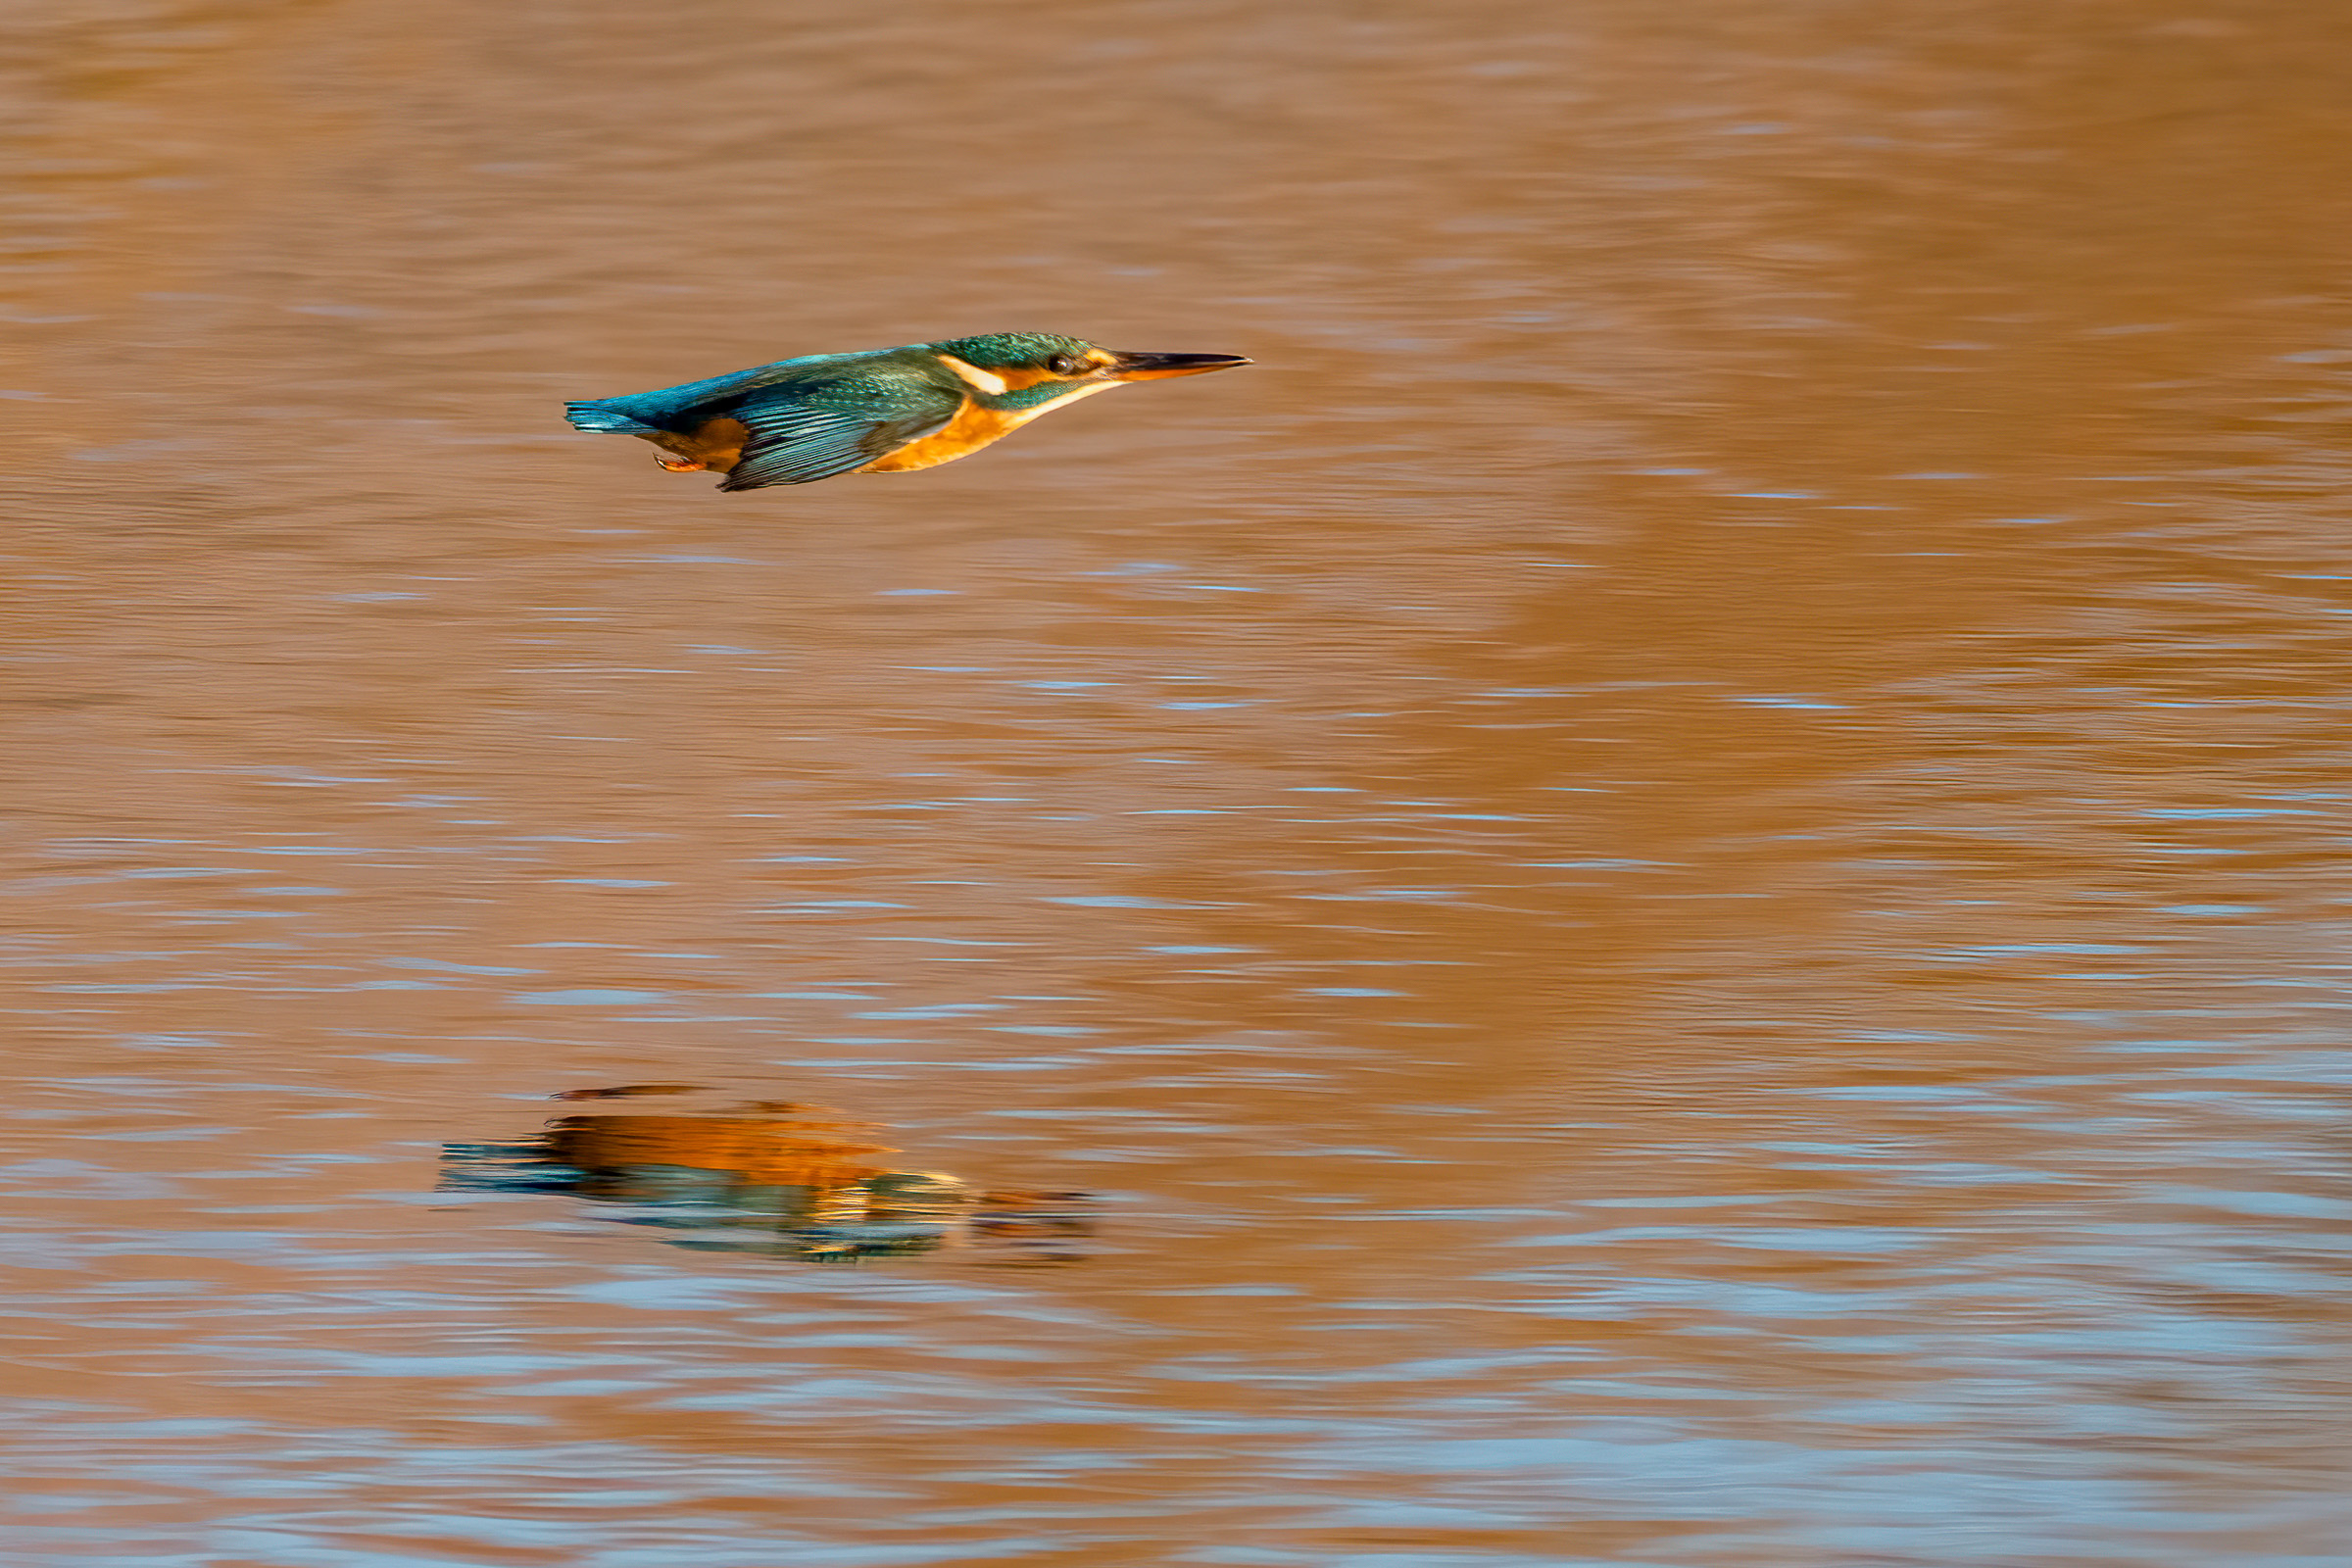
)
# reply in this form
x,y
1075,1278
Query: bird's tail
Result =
x,y
598,415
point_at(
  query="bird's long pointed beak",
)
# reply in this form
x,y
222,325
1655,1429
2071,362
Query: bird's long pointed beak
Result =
x,y
1160,367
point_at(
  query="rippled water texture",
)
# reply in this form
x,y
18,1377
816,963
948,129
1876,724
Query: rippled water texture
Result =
x,y
1670,895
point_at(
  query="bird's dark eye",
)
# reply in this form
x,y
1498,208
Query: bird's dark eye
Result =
x,y
1064,365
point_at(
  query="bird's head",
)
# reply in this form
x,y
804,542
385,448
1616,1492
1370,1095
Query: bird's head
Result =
x,y
1048,366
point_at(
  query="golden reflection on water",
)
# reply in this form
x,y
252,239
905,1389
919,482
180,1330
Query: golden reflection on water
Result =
x,y
782,1179
1681,873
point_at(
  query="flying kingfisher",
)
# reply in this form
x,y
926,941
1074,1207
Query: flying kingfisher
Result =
x,y
885,411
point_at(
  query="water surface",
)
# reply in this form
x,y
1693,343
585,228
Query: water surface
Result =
x,y
1677,881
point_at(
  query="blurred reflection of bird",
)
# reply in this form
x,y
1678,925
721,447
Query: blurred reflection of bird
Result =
x,y
769,1176
1044,1226
884,410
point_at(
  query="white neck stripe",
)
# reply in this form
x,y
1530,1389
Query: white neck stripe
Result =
x,y
973,376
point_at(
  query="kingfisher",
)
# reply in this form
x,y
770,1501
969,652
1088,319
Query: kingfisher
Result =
x,y
884,410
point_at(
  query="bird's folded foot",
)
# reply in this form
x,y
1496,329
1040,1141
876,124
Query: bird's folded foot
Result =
x,y
679,464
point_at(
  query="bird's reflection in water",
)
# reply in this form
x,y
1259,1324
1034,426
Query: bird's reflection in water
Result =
x,y
769,1176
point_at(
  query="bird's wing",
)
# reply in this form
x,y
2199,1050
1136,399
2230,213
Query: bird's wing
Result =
x,y
823,431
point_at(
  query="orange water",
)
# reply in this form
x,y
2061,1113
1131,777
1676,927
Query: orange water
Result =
x,y
1679,877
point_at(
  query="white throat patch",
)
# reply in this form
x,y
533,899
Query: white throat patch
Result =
x,y
1083,389
973,376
